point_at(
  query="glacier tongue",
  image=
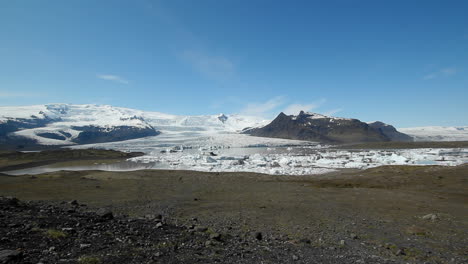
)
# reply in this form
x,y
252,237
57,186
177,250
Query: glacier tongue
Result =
x,y
437,133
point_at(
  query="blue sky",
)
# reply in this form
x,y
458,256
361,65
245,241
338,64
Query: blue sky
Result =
x,y
402,62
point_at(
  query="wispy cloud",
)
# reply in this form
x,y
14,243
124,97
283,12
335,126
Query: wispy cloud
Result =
x,y
441,73
6,94
263,109
275,105
114,78
294,109
333,111
213,67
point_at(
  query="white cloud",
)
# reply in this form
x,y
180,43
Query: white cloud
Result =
x,y
114,78
441,73
213,67
263,109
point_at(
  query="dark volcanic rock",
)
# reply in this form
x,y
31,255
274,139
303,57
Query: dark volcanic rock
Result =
x,y
8,256
316,127
105,213
52,135
391,132
12,125
93,134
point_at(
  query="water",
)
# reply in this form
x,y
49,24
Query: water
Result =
x,y
117,166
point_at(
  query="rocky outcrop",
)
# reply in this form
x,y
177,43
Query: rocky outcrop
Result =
x,y
93,134
12,125
391,132
320,128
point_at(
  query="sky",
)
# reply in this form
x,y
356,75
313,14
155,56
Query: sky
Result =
x,y
401,62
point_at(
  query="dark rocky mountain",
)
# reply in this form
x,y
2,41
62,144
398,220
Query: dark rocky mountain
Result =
x,y
92,134
391,132
12,125
317,127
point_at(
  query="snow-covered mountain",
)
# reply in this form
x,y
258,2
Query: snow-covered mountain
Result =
x,y
68,124
437,133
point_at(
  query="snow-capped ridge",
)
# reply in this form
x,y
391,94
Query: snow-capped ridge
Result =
x,y
312,115
45,123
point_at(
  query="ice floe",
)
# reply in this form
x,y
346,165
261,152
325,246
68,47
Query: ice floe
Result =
x,y
304,161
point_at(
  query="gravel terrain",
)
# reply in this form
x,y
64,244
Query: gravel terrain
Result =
x,y
38,232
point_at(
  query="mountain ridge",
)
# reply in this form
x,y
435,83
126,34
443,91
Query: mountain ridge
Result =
x,y
321,128
69,124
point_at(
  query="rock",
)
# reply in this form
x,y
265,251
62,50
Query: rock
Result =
x,y
9,200
258,235
150,216
69,229
9,255
83,246
159,224
431,217
208,243
156,217
400,252
74,202
201,229
305,241
342,242
353,236
295,258
105,213
215,236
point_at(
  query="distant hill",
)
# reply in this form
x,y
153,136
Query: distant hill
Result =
x,y
391,132
324,129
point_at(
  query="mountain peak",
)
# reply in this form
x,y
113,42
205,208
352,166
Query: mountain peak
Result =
x,y
312,115
320,128
222,117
